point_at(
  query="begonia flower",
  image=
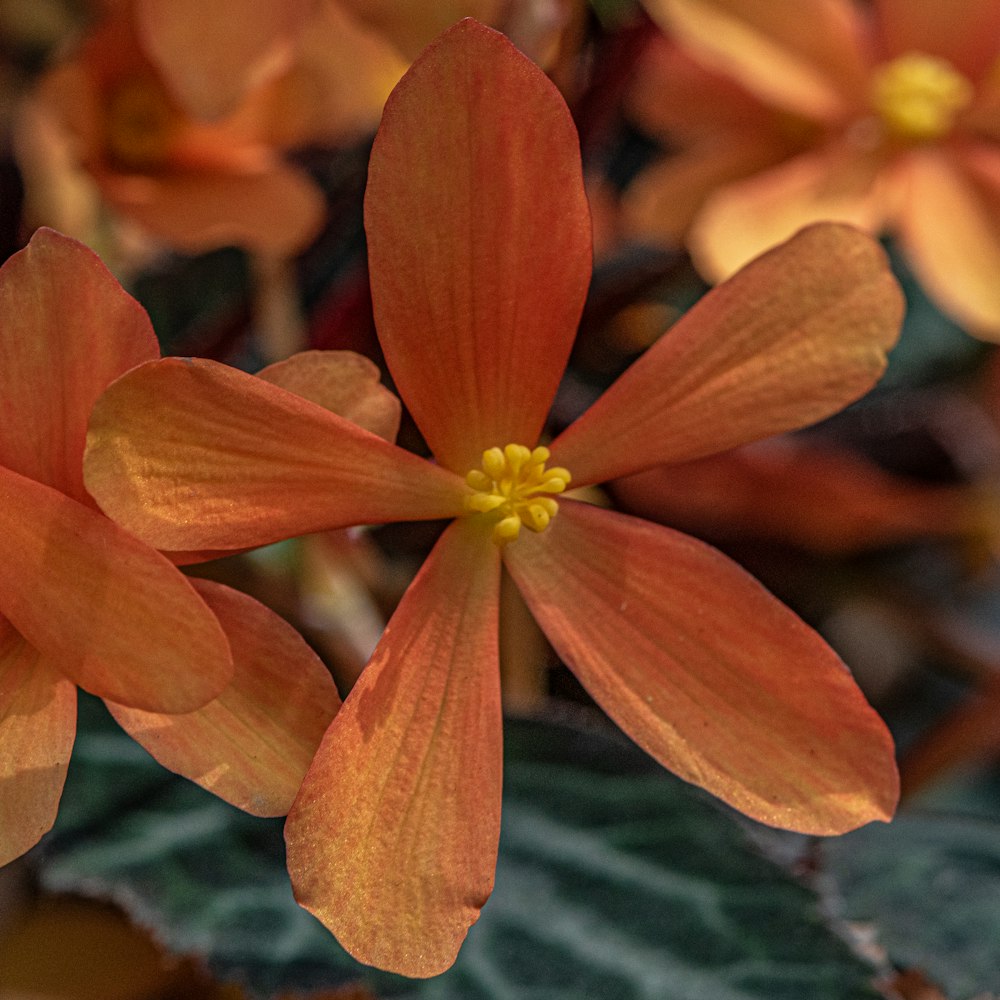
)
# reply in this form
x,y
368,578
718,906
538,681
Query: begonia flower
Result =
x,y
883,114
212,683
197,167
480,257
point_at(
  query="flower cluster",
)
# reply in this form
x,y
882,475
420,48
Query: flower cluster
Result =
x,y
480,261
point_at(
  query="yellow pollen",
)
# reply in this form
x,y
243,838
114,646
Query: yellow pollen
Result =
x,y
918,96
516,489
141,124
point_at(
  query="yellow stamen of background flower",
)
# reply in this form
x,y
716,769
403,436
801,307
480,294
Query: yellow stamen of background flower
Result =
x,y
141,124
515,487
918,96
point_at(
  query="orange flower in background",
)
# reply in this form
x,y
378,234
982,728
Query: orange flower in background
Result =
x,y
84,603
885,115
480,261
181,115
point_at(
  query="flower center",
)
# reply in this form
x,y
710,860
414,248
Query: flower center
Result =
x,y
918,96
515,487
141,123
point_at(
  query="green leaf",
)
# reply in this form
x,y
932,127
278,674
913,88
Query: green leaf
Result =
x,y
615,880
930,885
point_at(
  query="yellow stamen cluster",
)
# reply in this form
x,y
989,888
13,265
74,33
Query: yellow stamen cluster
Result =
x,y
141,123
515,486
918,96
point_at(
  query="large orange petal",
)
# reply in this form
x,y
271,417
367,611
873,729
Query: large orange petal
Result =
x,y
68,329
115,616
479,242
212,54
747,217
342,382
965,32
795,336
190,454
278,210
950,228
253,744
805,56
37,728
707,671
392,841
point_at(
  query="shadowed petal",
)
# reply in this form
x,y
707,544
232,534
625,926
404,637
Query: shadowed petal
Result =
x,y
68,330
342,382
392,842
37,728
950,227
277,209
707,671
253,744
212,54
479,243
116,616
190,454
793,337
818,496
802,55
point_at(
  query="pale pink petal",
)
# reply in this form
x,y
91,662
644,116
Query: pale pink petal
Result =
x,y
707,671
342,382
116,616
37,728
479,243
211,54
392,841
190,454
807,56
793,337
68,330
949,225
253,744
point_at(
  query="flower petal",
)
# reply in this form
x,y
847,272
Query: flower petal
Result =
x,y
277,210
747,217
950,227
818,72
793,337
116,616
707,671
479,243
68,330
964,32
37,728
212,54
818,496
253,744
419,22
189,454
392,841
342,382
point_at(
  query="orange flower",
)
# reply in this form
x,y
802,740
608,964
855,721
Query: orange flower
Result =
x,y
84,603
886,115
181,112
480,261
